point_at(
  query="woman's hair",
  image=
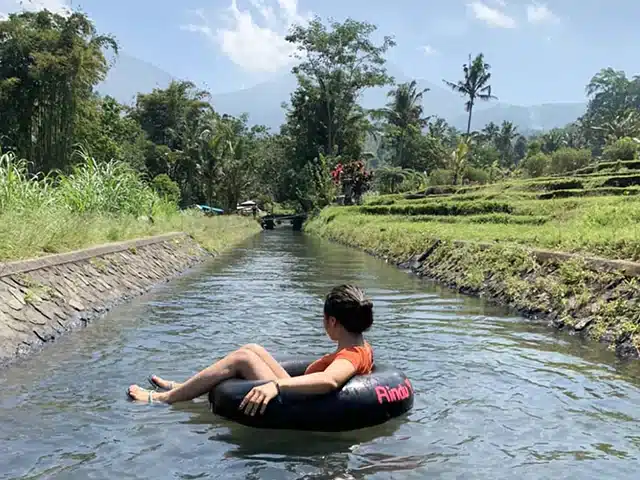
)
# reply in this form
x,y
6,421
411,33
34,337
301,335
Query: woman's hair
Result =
x,y
350,307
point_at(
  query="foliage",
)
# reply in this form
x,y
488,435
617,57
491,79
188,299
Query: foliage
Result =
x,y
166,188
536,165
173,140
353,179
624,148
389,180
48,66
569,159
475,84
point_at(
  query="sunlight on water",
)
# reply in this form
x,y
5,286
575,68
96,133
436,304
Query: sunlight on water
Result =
x,y
497,396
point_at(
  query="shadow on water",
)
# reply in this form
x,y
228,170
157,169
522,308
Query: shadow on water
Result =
x,y
496,396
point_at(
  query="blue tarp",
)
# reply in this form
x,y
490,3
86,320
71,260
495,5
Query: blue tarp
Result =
x,y
206,208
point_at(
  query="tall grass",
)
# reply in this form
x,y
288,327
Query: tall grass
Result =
x,y
95,203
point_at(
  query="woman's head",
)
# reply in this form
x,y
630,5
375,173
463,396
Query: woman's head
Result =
x,y
347,307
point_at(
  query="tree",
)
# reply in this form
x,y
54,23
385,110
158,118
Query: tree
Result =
x,y
337,63
475,85
405,122
612,99
48,68
458,158
341,62
504,143
520,149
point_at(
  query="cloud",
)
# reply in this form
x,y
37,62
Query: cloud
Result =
x,y
539,13
253,39
428,50
491,16
12,6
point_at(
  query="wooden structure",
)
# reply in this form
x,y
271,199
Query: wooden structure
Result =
x,y
269,222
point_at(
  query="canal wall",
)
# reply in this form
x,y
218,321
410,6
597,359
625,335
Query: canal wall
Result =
x,y
43,298
594,298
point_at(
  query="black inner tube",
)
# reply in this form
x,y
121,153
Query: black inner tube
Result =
x,y
364,401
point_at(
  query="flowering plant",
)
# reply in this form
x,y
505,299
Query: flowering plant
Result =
x,y
354,179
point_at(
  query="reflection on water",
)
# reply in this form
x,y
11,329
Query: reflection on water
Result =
x,y
497,396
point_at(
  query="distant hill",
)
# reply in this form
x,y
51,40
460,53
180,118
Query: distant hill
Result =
x,y
263,102
129,76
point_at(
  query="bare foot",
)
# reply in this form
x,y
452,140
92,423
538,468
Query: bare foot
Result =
x,y
165,384
142,395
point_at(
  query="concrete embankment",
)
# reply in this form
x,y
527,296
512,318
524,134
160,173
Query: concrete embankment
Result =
x,y
592,297
41,299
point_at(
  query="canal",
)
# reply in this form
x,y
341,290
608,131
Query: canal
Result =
x,y
497,396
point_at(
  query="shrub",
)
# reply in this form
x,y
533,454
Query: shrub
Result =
x,y
569,159
166,188
476,175
622,149
441,177
536,165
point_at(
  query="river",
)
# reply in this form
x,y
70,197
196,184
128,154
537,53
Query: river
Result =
x,y
497,396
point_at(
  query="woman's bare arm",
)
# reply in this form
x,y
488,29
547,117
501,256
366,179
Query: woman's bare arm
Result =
x,y
334,377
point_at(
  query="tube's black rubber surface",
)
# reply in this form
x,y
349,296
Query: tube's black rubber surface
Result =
x,y
364,401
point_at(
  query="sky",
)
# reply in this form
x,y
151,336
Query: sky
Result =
x,y
538,52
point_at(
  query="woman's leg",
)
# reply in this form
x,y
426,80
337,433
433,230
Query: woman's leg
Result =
x,y
243,363
273,364
259,350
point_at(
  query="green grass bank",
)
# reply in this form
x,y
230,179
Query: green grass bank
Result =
x,y
94,204
493,241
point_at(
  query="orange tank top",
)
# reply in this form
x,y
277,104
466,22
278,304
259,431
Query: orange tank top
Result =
x,y
361,357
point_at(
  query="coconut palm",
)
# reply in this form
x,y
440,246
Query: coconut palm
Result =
x,y
404,111
504,142
475,85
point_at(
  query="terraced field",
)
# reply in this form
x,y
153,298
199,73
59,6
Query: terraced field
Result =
x,y
595,210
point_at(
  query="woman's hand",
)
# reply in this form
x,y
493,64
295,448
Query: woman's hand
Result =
x,y
258,398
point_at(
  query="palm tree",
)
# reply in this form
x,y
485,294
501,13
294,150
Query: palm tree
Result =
x,y
405,111
405,107
491,132
504,142
475,84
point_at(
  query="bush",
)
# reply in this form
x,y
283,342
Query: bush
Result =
x,y
476,175
622,149
441,177
569,159
536,165
166,188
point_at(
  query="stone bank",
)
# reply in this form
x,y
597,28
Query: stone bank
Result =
x,y
43,298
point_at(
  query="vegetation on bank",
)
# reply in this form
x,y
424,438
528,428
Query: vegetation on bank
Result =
x,y
478,240
606,226
96,203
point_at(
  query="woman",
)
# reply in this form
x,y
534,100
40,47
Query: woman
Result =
x,y
347,314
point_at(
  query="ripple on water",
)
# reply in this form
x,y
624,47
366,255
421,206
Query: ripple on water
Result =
x,y
497,396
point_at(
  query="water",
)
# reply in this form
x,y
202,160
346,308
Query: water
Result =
x,y
497,396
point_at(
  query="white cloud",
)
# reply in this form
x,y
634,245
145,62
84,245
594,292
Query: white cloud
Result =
x,y
12,6
491,16
428,50
502,3
540,13
254,39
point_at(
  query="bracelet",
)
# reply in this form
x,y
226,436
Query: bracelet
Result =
x,y
277,386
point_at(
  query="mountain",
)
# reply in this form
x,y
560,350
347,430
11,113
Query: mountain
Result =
x,y
130,75
528,119
263,102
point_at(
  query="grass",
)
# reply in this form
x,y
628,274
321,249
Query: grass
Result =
x,y
608,226
95,204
